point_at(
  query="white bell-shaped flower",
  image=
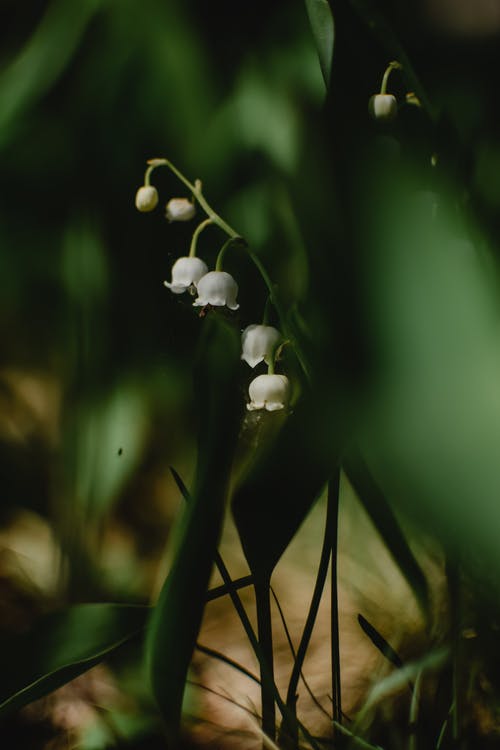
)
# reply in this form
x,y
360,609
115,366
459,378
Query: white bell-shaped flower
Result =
x,y
146,198
270,392
186,272
217,288
180,209
383,107
258,343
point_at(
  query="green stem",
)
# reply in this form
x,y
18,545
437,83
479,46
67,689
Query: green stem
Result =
x,y
147,176
211,213
154,163
218,591
270,366
294,655
326,550
412,740
194,240
453,578
332,524
394,65
231,241
264,626
197,193
265,315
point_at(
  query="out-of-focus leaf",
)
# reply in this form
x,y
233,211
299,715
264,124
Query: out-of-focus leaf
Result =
x,y
399,679
271,503
267,119
321,20
42,59
432,429
62,646
106,441
176,618
387,525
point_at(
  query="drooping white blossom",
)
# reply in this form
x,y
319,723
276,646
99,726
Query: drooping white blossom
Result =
x,y
383,107
217,288
146,198
258,343
270,392
180,209
186,272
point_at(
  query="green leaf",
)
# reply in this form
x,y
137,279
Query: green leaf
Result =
x,y
387,525
42,59
379,642
321,20
61,646
273,500
177,616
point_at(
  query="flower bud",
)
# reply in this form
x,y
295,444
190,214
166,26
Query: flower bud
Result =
x,y
186,272
258,343
217,288
146,198
383,107
270,392
180,209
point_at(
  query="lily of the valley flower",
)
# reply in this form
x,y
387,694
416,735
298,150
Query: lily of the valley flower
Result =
x,y
217,288
186,272
258,343
146,198
270,392
180,209
383,107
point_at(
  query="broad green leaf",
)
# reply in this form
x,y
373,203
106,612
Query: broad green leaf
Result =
x,y
273,500
321,20
61,646
177,616
432,429
387,525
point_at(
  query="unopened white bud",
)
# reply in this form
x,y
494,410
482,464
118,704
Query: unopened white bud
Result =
x,y
383,107
146,198
180,209
270,392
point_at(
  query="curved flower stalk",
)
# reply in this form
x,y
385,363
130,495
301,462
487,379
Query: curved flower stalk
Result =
x,y
383,106
270,392
258,344
218,289
221,290
186,273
